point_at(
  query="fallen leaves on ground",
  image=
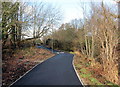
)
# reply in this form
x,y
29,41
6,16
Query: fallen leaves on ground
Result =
x,y
21,61
90,75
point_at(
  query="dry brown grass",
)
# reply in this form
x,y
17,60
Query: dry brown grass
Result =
x,y
94,72
21,61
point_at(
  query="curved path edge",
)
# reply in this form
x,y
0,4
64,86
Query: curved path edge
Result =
x,y
44,61
29,71
77,72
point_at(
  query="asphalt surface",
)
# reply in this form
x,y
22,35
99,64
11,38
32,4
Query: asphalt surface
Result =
x,y
57,70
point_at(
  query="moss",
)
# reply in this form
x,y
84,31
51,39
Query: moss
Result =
x,y
85,75
72,52
93,80
83,70
87,64
96,82
112,84
78,66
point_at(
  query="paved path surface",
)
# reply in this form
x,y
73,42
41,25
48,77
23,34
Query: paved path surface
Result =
x,y
57,70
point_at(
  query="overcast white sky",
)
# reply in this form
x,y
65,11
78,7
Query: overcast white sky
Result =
x,y
70,8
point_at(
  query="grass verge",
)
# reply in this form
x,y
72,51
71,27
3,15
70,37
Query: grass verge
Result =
x,y
20,61
89,75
